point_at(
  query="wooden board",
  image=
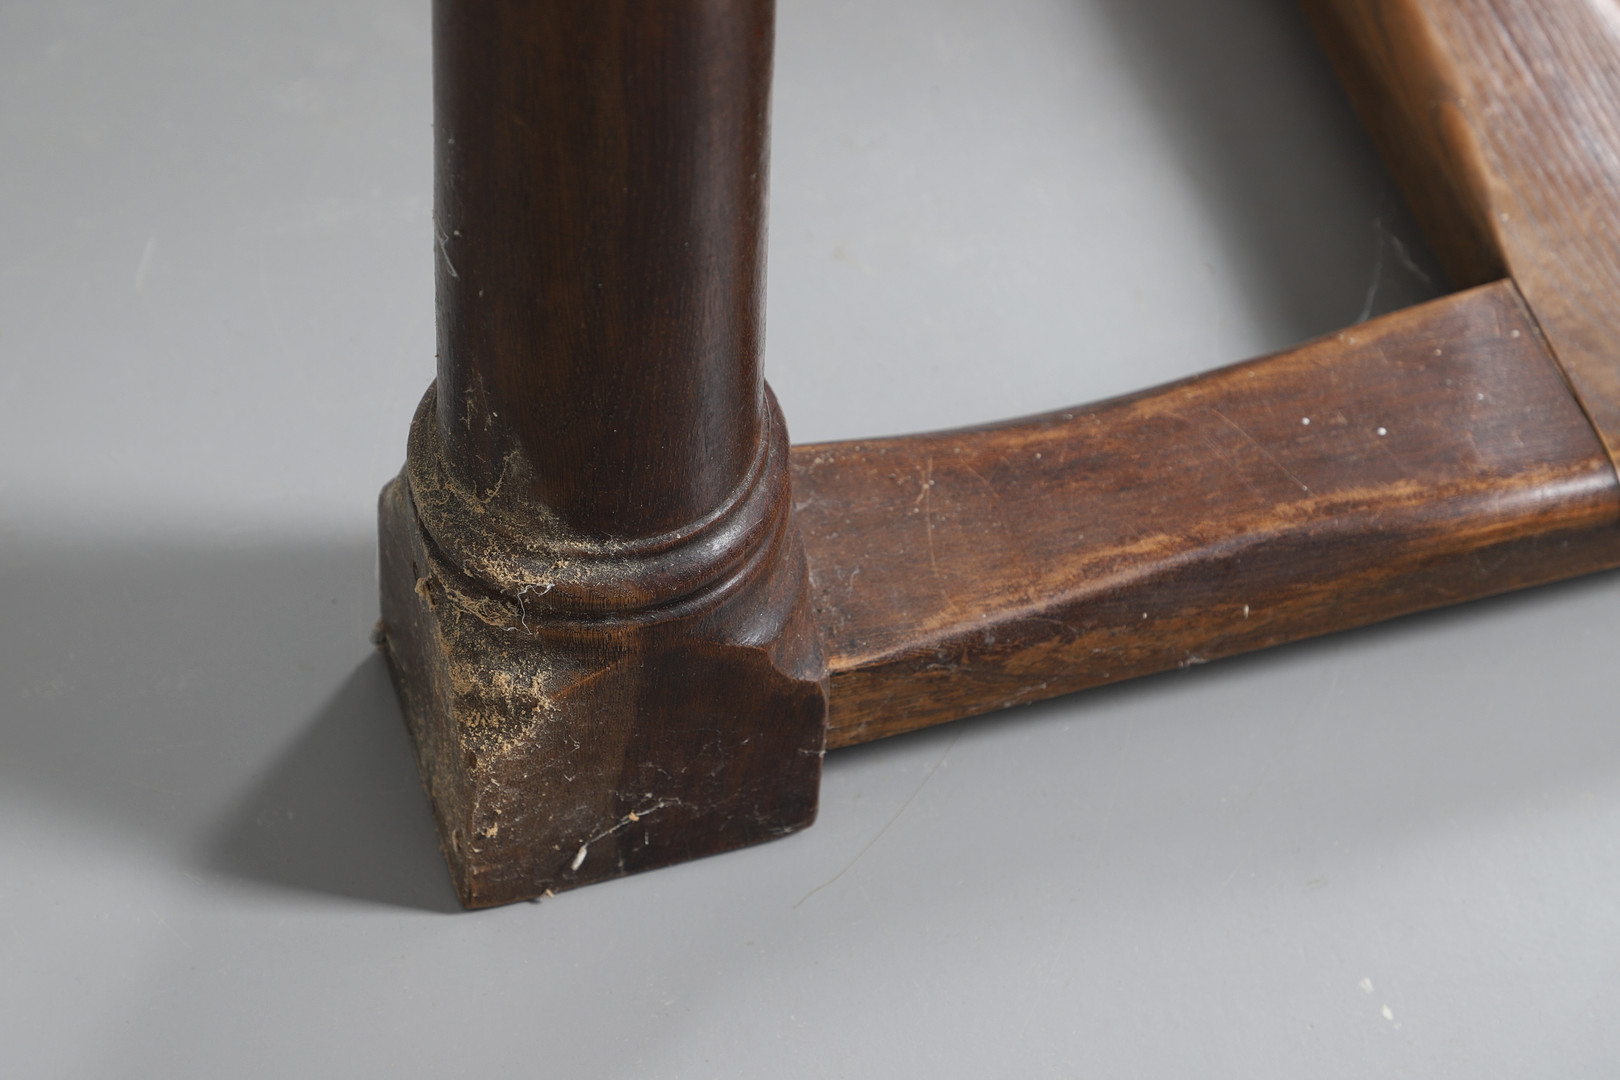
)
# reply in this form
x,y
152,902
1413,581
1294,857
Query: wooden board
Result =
x,y
1501,118
1432,456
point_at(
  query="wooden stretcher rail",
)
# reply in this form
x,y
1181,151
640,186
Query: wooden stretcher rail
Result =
x,y
1429,457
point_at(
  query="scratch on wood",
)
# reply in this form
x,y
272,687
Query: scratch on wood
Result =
x,y
629,819
1269,456
927,498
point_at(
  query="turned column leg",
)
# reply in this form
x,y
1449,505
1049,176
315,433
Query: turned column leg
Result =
x,y
594,601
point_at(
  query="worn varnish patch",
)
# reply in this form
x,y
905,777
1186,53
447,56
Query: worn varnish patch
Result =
x,y
558,756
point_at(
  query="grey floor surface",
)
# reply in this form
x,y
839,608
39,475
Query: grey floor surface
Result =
x,y
1390,852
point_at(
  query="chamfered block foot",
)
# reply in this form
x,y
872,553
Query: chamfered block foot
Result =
x,y
582,712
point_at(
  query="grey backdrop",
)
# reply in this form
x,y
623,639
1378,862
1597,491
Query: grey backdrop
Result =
x,y
1385,852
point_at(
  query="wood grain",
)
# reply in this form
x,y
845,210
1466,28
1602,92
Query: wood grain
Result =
x,y
611,646
1502,120
595,605
1432,456
600,206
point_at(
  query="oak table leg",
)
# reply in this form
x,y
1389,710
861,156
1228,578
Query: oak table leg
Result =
x,y
594,601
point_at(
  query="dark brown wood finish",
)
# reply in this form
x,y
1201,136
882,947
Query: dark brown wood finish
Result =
x,y
1429,457
600,213
611,648
594,601
1502,120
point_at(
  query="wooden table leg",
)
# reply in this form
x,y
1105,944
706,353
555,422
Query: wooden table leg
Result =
x,y
594,601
